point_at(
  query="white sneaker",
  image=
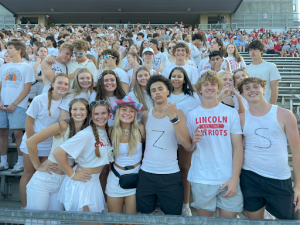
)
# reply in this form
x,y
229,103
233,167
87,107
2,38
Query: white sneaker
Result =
x,y
18,168
3,166
186,211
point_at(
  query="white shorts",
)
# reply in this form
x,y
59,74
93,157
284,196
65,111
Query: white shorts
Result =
x,y
77,194
209,197
113,188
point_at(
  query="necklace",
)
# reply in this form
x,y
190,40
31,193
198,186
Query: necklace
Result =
x,y
126,131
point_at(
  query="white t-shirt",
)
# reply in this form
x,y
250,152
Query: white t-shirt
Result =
x,y
109,100
122,75
73,65
190,70
158,59
56,68
266,71
212,161
204,65
67,99
14,76
81,147
53,51
234,64
38,110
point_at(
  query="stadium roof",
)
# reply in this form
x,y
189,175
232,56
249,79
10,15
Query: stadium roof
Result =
x,y
116,11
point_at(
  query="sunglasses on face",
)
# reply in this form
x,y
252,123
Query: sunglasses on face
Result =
x,y
94,103
107,56
78,53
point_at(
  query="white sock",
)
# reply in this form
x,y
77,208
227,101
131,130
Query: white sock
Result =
x,y
3,158
187,205
20,159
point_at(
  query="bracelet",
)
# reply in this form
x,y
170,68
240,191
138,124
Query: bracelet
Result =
x,y
174,119
13,104
176,122
72,175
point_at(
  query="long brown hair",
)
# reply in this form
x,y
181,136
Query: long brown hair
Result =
x,y
138,90
71,122
94,128
100,89
236,54
51,89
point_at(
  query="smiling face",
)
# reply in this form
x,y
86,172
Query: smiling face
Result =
x,y
85,80
253,92
132,49
239,76
177,79
78,112
227,80
61,85
145,44
180,54
100,116
110,83
209,89
130,59
142,78
126,114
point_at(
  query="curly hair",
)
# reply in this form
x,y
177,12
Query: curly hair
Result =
x,y
210,76
80,44
181,45
248,80
159,78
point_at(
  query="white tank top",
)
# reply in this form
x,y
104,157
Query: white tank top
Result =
x,y
123,159
56,143
160,155
266,146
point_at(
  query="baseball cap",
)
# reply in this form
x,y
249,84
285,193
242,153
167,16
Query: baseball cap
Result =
x,y
148,50
154,41
30,34
110,28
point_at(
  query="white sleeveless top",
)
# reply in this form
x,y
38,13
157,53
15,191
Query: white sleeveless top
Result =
x,y
56,143
160,155
266,146
123,159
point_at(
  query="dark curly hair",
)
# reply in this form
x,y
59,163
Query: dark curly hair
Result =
x,y
159,78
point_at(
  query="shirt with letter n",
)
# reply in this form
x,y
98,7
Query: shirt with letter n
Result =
x,y
212,158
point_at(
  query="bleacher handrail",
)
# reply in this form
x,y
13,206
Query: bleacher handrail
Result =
x,y
7,215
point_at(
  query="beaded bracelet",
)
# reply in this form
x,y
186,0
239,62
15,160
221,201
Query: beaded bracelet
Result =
x,y
72,175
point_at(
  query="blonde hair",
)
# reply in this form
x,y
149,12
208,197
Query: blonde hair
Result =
x,y
133,135
76,89
137,89
91,57
51,89
210,76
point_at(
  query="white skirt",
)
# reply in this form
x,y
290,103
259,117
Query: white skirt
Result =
x,y
113,188
77,194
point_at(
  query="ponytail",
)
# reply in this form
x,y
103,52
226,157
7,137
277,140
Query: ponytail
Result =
x,y
95,132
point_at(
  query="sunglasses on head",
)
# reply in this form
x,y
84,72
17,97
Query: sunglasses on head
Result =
x,y
78,53
107,56
94,103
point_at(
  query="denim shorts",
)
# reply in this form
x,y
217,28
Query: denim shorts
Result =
x,y
15,120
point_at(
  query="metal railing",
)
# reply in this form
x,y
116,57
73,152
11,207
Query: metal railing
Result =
x,y
8,26
30,217
268,20
217,26
118,25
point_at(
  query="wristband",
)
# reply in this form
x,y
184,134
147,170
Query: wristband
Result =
x,y
174,119
178,120
72,175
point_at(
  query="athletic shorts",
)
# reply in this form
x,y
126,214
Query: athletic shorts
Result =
x,y
276,195
209,197
165,188
14,120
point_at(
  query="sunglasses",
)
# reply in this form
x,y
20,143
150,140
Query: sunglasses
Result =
x,y
101,102
78,53
107,56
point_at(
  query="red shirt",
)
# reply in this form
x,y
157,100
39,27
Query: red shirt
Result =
x,y
277,48
295,42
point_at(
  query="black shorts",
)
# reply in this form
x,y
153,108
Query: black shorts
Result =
x,y
166,188
276,195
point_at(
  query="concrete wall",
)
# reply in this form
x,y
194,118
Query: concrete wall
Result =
x,y
266,6
4,11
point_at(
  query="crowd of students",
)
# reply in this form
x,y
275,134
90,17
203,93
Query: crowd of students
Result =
x,y
175,110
